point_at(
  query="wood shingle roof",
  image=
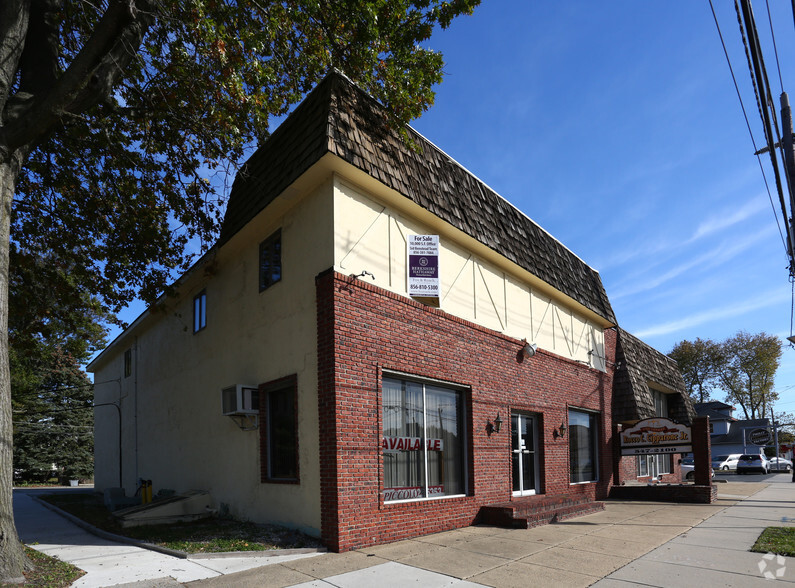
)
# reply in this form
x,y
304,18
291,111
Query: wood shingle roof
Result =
x,y
339,118
642,368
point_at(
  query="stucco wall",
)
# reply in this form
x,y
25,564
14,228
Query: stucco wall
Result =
x,y
179,439
371,235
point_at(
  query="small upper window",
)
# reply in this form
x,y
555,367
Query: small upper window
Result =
x,y
660,400
199,311
128,363
270,261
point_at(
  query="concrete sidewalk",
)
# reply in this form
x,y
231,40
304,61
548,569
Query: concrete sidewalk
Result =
x,y
109,563
629,543
715,552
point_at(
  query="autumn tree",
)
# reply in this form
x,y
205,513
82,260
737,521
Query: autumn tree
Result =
x,y
747,372
697,361
742,368
116,115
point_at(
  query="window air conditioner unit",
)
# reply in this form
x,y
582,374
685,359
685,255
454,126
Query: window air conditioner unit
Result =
x,y
240,400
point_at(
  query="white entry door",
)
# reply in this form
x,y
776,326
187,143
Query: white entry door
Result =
x,y
524,439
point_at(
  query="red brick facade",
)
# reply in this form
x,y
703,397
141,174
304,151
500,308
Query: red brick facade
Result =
x,y
364,330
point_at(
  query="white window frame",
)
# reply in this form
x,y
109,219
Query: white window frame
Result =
x,y
458,388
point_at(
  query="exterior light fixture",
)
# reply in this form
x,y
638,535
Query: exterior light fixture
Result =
x,y
562,429
529,349
497,423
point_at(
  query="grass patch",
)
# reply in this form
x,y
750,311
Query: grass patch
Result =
x,y
49,572
778,540
204,536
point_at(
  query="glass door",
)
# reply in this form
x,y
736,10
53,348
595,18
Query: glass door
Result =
x,y
523,454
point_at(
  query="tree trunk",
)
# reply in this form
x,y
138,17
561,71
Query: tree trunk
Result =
x,y
13,561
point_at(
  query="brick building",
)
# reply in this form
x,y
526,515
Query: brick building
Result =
x,y
298,377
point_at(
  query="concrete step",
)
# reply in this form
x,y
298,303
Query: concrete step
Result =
x,y
531,511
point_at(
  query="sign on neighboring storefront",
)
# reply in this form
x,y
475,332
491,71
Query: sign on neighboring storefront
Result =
x,y
760,437
423,266
656,435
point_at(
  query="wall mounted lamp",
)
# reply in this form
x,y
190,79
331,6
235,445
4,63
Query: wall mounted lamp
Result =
x,y
529,349
497,423
561,430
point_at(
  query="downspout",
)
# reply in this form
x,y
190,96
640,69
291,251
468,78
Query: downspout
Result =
x,y
135,409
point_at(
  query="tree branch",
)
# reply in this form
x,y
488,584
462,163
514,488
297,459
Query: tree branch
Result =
x,y
88,80
14,16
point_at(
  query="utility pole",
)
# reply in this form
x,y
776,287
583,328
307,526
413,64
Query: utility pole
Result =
x,y
789,158
775,430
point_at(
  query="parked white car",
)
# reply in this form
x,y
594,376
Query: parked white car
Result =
x,y
726,462
779,464
753,462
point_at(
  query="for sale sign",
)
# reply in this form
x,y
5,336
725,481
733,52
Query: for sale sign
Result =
x,y
423,265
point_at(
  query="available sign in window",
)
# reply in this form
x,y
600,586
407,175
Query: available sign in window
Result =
x,y
423,266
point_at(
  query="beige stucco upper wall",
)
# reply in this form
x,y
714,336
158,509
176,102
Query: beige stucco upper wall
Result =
x,y
173,429
370,235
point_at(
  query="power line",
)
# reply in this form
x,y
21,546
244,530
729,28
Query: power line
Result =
x,y
775,47
748,125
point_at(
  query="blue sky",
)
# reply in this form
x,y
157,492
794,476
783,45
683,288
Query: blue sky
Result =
x,y
616,127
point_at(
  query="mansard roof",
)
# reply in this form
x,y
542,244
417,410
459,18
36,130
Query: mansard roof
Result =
x,y
641,369
337,117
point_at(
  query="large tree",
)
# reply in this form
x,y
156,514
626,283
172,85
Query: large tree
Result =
x,y
54,327
115,114
697,362
743,367
747,372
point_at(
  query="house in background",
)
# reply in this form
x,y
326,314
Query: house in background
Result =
x,y
729,435
354,408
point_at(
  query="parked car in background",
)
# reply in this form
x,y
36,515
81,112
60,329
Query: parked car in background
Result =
x,y
779,464
749,463
726,462
687,466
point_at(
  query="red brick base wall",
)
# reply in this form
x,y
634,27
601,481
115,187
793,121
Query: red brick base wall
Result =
x,y
364,330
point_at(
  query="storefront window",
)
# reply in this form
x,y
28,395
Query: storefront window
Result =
x,y
423,440
653,465
583,442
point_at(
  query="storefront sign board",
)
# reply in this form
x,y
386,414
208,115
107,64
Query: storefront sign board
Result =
x,y
656,435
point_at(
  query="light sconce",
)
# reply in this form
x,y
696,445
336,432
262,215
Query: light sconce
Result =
x,y
529,349
363,274
497,423
561,430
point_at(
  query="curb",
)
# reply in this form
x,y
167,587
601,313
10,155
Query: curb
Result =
x,y
173,552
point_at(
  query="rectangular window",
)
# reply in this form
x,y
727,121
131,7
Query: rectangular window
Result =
x,y
660,400
199,311
643,466
270,261
128,363
653,465
583,442
279,430
423,440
